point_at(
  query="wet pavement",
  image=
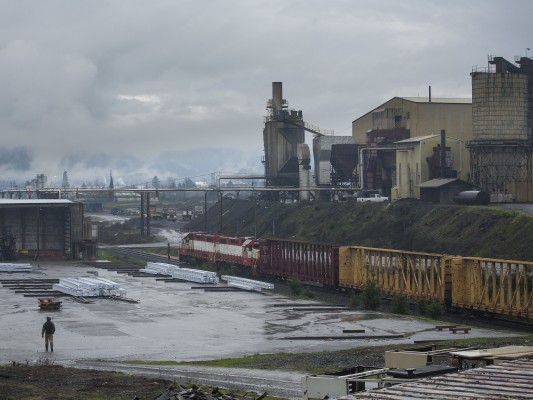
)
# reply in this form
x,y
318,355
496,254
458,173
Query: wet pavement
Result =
x,y
175,322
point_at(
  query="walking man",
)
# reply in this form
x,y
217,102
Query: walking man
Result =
x,y
48,333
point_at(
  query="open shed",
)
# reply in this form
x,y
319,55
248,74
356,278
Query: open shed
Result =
x,y
41,228
442,190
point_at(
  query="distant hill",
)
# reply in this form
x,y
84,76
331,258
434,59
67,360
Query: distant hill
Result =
x,y
482,231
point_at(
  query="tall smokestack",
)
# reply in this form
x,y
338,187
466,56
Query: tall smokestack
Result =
x,y
443,153
430,94
277,96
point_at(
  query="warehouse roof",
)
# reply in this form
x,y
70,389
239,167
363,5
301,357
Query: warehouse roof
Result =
x,y
10,203
508,380
446,100
438,182
434,100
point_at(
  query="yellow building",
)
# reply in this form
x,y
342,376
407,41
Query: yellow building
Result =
x,y
419,115
418,159
401,118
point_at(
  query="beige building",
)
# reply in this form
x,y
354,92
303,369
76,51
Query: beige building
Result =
x,y
420,115
418,159
402,118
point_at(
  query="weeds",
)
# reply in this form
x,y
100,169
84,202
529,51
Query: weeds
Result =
x,y
371,295
400,304
295,286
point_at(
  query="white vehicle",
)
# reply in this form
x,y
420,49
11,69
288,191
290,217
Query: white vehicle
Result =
x,y
373,198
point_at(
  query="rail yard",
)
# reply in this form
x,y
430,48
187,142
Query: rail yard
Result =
x,y
499,287
182,321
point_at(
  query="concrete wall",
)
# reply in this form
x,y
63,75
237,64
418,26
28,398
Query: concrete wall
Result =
x,y
500,104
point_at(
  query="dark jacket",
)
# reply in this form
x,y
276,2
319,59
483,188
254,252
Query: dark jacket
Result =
x,y
48,328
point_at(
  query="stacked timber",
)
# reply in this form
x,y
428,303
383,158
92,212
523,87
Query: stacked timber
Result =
x,y
195,275
89,287
246,284
184,274
159,268
15,267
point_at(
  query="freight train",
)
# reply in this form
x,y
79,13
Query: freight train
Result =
x,y
496,287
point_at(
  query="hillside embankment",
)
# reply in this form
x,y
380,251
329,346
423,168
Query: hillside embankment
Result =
x,y
481,231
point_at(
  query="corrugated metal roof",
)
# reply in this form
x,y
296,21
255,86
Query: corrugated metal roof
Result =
x,y
496,352
33,202
508,380
438,182
457,100
436,100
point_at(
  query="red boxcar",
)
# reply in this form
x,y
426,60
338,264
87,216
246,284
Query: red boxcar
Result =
x,y
313,263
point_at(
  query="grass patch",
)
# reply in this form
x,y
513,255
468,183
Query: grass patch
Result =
x,y
145,362
104,255
262,361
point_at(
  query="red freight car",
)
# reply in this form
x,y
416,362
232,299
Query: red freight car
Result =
x,y
312,263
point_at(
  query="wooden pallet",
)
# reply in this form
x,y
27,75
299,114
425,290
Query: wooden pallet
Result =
x,y
49,303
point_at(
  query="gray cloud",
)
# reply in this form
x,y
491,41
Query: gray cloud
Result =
x,y
16,159
170,88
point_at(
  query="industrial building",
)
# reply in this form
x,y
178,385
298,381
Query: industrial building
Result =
x,y
489,138
404,118
287,158
49,228
335,159
501,146
368,158
283,133
421,158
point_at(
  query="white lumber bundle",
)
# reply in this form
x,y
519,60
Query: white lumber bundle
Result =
x,y
159,268
246,284
15,267
89,287
70,286
195,275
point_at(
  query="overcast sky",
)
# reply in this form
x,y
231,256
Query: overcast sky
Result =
x,y
179,88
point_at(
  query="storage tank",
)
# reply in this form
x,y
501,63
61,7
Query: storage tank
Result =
x,y
323,155
344,159
472,197
500,106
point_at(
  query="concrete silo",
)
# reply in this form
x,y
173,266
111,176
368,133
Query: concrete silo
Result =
x,y
502,120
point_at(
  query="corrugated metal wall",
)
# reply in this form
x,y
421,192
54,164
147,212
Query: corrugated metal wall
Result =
x,y
51,231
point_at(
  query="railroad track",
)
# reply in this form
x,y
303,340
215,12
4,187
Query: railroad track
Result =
x,y
140,255
330,295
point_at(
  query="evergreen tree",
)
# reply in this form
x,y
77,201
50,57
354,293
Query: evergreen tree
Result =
x,y
65,180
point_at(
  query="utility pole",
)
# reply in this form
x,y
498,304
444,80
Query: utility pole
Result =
x,y
274,220
205,211
142,214
220,202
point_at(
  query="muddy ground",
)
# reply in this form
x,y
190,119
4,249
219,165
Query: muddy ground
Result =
x,y
58,383
54,382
